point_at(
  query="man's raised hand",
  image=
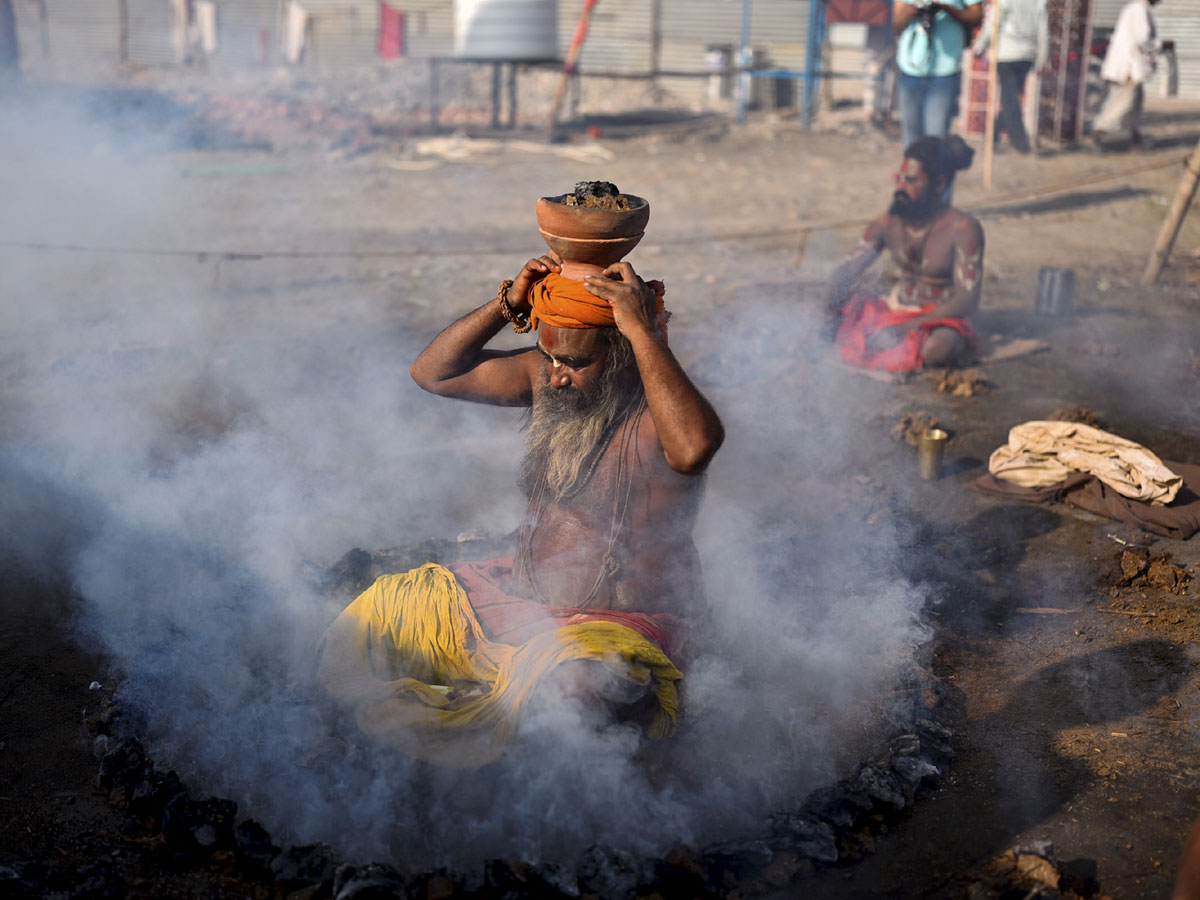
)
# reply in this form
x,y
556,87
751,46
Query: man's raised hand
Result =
x,y
633,301
533,271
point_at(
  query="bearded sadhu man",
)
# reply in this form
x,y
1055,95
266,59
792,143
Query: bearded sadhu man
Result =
x,y
924,321
441,661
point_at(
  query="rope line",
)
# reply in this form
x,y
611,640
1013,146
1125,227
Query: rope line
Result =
x,y
802,229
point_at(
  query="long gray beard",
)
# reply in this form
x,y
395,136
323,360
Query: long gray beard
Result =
x,y
565,429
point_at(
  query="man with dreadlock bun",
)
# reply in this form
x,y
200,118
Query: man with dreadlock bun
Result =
x,y
441,661
924,320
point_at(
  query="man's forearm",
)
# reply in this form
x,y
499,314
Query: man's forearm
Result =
x,y
459,347
846,275
959,305
688,427
902,16
969,15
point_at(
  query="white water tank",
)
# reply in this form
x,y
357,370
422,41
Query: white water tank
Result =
x,y
506,29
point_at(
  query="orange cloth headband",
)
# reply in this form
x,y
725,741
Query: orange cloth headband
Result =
x,y
565,303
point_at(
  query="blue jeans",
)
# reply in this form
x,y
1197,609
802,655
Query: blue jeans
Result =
x,y
926,105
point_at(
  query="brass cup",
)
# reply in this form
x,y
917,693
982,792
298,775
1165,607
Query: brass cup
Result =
x,y
930,452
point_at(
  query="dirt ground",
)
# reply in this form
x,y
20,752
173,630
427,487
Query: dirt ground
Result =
x,y
1079,727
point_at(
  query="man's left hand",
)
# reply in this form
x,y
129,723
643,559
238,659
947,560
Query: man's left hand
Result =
x,y
633,301
886,338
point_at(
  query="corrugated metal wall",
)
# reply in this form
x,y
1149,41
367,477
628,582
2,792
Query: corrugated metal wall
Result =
x,y
344,32
83,35
1179,21
620,35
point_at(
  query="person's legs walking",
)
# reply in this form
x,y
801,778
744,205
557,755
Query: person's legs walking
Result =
x,y
1115,114
912,107
1012,79
941,97
1135,115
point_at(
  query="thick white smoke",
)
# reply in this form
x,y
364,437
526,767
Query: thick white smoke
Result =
x,y
217,432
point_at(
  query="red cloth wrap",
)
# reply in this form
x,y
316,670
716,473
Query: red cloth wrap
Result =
x,y
514,620
863,316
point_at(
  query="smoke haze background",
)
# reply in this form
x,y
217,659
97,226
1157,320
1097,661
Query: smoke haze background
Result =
x,y
189,440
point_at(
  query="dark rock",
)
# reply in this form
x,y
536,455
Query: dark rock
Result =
x,y
739,857
609,873
808,837
153,793
515,879
1079,876
352,572
95,881
838,805
914,771
205,826
786,865
927,728
12,885
370,882
880,785
935,740
1042,848
307,864
438,885
905,745
557,879
682,873
253,845
122,765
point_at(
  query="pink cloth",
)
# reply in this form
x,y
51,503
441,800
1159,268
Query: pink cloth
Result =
x,y
513,620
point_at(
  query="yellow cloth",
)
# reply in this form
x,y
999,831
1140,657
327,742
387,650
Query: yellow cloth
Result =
x,y
411,659
566,303
1039,454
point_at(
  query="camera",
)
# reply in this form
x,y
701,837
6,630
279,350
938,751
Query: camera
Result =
x,y
927,11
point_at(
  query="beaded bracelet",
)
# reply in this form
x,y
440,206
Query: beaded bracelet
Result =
x,y
520,321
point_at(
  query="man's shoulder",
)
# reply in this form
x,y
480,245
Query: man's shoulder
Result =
x,y
962,222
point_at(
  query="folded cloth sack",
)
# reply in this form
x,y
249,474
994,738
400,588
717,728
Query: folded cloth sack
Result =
x,y
1041,454
421,673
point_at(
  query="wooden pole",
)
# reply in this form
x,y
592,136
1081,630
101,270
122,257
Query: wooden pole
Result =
x,y
1170,226
44,28
581,30
10,55
122,31
655,38
989,128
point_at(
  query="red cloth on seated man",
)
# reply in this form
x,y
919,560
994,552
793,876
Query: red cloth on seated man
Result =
x,y
863,316
513,620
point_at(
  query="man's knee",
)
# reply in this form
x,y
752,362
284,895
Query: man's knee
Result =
x,y
594,684
943,347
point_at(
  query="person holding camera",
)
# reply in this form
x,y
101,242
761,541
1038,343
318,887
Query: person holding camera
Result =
x,y
930,43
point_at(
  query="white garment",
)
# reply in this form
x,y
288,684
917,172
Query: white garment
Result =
x,y
206,25
181,24
1024,32
1040,454
1122,109
294,31
1133,47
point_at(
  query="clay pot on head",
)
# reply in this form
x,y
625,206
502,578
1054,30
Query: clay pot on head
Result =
x,y
589,240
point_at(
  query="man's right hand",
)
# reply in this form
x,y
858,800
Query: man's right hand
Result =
x,y
534,271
